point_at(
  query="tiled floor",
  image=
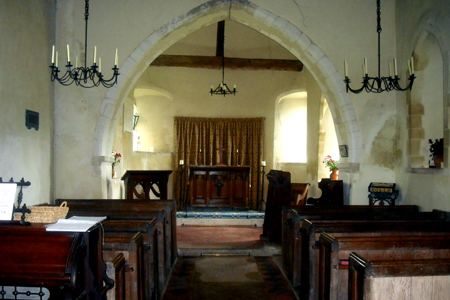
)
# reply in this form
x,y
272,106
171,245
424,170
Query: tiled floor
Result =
x,y
225,275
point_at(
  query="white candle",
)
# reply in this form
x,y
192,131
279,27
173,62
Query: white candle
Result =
x,y
412,64
53,54
116,58
76,62
365,65
263,163
409,67
234,86
390,69
237,151
56,62
99,64
181,162
345,68
95,53
395,66
68,54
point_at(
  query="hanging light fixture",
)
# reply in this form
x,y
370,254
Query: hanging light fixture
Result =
x,y
83,76
222,88
380,84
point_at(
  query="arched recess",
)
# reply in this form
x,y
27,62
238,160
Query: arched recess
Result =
x,y
429,98
261,20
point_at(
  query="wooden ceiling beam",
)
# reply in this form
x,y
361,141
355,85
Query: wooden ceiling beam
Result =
x,y
214,62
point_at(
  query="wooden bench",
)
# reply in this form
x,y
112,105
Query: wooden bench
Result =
x,y
132,249
115,269
131,210
153,265
335,252
398,279
307,255
68,264
293,216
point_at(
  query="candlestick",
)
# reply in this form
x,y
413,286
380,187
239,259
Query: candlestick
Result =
x,y
263,163
365,65
181,162
395,66
345,68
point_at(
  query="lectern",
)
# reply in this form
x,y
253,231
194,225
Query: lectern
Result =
x,y
146,179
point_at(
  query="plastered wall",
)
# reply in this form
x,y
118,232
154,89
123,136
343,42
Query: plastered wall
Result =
x,y
322,35
27,32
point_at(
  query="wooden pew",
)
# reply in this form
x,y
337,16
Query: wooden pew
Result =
x,y
135,209
153,265
334,252
133,251
293,216
68,264
307,255
132,210
115,269
389,279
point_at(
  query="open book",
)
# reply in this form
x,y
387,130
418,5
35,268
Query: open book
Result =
x,y
75,224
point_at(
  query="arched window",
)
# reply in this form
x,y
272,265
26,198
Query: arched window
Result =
x,y
290,128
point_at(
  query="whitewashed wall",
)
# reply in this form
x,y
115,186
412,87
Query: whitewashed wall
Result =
x,y
26,35
320,34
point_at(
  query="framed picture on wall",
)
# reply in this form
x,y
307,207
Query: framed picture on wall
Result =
x,y
343,150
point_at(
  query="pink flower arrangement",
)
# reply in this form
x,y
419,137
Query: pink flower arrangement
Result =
x,y
117,156
330,162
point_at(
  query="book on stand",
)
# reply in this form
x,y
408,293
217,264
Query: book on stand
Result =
x,y
75,224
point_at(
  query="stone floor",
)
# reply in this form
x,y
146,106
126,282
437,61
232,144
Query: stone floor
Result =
x,y
219,262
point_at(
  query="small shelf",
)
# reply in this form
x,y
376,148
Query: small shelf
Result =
x,y
430,171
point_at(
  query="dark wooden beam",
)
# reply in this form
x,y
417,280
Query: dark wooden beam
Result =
x,y
220,43
214,62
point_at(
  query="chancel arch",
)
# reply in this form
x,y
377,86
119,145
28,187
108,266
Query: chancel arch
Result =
x,y
255,17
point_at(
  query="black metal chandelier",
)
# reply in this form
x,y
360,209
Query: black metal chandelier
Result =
x,y
83,76
380,84
222,88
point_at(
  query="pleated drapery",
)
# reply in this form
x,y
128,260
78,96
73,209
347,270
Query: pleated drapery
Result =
x,y
218,141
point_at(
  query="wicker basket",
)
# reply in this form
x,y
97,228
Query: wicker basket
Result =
x,y
45,214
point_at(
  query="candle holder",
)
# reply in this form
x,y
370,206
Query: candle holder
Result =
x,y
262,184
180,199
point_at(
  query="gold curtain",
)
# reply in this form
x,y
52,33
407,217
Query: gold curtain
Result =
x,y
210,141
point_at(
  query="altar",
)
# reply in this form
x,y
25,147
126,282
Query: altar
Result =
x,y
211,186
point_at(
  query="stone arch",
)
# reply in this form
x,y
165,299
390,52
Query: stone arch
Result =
x,y
261,20
429,25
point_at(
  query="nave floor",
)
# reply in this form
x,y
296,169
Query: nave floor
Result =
x,y
222,265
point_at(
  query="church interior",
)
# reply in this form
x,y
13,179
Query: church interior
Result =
x,y
205,133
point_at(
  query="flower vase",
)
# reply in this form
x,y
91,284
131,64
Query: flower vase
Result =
x,y
334,174
438,160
